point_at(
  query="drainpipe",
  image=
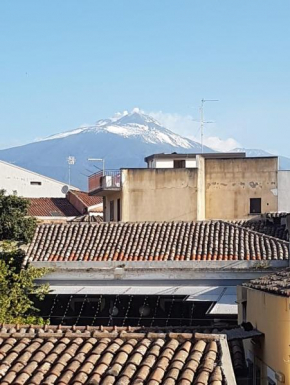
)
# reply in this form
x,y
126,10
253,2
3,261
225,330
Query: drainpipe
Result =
x,y
288,227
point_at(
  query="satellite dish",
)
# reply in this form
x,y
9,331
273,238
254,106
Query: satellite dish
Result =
x,y
65,189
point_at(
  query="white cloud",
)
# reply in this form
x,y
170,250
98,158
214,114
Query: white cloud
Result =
x,y
187,126
221,144
119,115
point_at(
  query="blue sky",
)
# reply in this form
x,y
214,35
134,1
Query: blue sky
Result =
x,y
67,63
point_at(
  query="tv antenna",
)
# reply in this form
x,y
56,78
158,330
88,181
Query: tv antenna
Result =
x,y
202,122
98,160
70,161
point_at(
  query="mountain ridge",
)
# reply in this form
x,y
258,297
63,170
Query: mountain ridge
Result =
x,y
123,141
131,124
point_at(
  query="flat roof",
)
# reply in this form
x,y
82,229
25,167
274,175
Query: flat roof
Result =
x,y
214,155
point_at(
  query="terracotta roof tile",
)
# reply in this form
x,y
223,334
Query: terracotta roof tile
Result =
x,y
88,200
79,355
264,226
89,218
152,241
276,283
51,207
279,214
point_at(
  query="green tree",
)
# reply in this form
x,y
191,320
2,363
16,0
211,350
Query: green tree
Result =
x,y
18,291
14,223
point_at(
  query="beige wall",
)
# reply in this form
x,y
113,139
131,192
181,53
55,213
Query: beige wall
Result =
x,y
270,314
201,188
159,195
216,189
283,191
114,196
230,183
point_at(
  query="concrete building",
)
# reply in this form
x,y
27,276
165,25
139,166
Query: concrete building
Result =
x,y
265,304
16,180
193,187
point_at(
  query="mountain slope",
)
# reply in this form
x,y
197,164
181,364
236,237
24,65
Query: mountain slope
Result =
x,y
284,162
123,141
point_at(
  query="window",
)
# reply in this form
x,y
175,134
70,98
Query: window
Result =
x,y
250,371
255,205
35,183
179,163
118,210
257,375
244,311
112,208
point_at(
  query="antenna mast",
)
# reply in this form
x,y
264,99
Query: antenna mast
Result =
x,y
202,122
71,161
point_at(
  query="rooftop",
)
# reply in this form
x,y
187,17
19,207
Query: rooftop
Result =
x,y
153,241
88,218
266,226
90,355
277,283
86,199
51,207
222,155
274,215
63,207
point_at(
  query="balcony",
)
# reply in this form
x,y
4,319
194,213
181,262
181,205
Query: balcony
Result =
x,y
102,184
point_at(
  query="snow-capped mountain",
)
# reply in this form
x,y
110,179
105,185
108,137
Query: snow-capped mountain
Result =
x,y
135,125
123,141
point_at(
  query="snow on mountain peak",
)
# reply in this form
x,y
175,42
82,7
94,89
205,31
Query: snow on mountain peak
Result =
x,y
134,124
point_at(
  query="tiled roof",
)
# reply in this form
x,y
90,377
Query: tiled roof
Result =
x,y
51,207
97,209
87,355
152,241
88,218
265,227
279,214
88,200
277,283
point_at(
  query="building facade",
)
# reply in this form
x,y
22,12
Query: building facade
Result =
x,y
16,180
193,187
265,304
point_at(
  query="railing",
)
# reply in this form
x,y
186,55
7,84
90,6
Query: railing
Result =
x,y
111,180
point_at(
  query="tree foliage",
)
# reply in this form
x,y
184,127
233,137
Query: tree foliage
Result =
x,y
14,223
18,290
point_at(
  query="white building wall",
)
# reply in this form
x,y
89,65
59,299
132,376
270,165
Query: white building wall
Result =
x,y
19,181
284,191
190,163
163,163
168,163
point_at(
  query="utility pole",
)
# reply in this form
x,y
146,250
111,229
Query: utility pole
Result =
x,y
99,160
71,161
202,122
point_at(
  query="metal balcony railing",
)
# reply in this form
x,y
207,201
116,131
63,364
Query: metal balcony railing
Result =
x,y
111,180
